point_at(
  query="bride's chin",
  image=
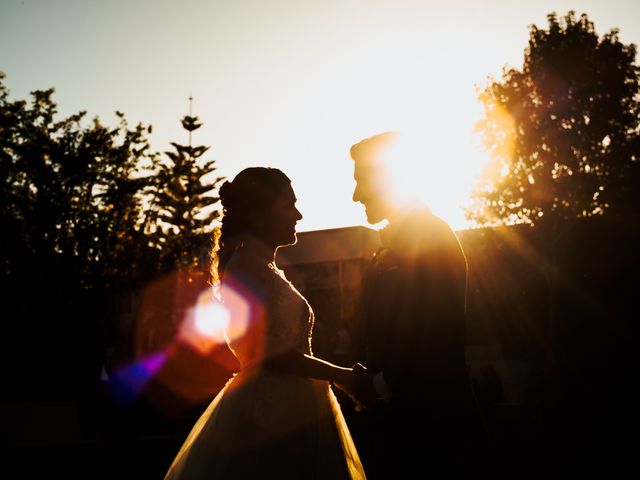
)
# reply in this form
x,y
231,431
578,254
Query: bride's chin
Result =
x,y
290,241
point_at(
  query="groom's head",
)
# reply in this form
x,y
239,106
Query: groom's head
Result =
x,y
372,159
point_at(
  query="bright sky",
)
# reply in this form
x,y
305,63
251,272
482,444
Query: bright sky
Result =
x,y
289,83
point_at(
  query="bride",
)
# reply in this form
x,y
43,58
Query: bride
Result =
x,y
277,417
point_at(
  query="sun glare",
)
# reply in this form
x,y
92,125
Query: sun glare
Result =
x,y
429,168
500,138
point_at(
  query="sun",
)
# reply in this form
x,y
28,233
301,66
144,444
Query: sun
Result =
x,y
428,168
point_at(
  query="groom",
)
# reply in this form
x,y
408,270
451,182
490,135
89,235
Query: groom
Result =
x,y
421,411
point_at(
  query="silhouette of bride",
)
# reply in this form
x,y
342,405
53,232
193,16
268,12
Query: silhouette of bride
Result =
x,y
278,416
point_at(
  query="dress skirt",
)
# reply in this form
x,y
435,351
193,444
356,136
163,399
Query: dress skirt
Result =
x,y
265,424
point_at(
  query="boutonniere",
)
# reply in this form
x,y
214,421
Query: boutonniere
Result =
x,y
386,260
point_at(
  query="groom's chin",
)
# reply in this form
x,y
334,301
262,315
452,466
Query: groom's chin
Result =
x,y
374,219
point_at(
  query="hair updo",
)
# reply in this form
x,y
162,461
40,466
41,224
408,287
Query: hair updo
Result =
x,y
244,200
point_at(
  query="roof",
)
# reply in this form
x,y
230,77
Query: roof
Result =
x,y
334,244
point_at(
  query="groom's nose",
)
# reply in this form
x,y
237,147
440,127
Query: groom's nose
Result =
x,y
356,194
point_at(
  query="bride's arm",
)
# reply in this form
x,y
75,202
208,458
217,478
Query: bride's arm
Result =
x,y
354,384
296,363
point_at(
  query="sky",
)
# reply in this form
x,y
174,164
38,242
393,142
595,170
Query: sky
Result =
x,y
290,83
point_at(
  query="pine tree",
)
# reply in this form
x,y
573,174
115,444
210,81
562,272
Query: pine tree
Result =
x,y
185,200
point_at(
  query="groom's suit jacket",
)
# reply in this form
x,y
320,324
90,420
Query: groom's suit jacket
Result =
x,y
414,306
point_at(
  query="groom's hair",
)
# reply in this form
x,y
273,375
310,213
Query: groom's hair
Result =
x,y
373,148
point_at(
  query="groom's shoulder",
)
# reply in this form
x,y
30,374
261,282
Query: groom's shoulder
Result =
x,y
423,231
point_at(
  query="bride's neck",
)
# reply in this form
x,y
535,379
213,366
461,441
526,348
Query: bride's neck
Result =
x,y
259,251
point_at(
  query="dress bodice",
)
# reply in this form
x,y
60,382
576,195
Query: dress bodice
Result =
x,y
279,318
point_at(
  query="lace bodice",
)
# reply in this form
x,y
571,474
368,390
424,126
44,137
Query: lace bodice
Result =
x,y
279,317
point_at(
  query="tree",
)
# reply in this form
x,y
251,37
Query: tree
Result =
x,y
72,196
182,203
563,134
563,131
184,198
72,232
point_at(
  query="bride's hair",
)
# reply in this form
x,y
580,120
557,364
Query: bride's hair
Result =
x,y
244,200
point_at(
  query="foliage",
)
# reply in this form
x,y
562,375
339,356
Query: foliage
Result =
x,y
562,131
82,207
72,203
80,204
183,199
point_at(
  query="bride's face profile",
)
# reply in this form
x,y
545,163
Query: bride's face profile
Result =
x,y
282,218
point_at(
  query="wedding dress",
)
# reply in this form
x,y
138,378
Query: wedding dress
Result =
x,y
266,424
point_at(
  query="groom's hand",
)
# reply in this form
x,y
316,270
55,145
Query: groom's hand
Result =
x,y
362,387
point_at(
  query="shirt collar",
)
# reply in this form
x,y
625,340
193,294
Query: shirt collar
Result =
x,y
389,233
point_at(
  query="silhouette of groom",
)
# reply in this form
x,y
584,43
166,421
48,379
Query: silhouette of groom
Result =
x,y
420,408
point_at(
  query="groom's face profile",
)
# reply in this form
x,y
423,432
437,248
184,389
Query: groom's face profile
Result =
x,y
372,158
370,189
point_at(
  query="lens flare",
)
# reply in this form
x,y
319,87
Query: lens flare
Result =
x,y
184,338
241,306
204,324
211,320
130,380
